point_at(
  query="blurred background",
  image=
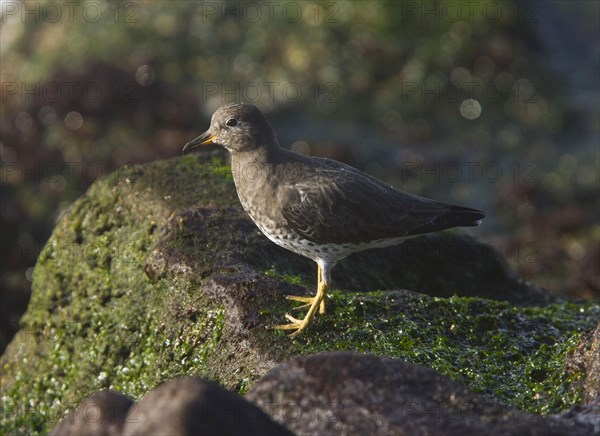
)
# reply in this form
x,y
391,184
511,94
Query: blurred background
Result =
x,y
489,104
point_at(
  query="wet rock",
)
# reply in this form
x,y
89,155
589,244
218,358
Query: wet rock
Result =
x,y
182,406
194,406
586,360
347,393
102,414
586,416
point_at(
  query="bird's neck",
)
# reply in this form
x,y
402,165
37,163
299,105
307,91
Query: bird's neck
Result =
x,y
260,156
257,165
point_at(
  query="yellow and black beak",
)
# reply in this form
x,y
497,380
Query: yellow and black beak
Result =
x,y
204,139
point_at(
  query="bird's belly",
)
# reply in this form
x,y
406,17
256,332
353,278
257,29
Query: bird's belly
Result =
x,y
328,252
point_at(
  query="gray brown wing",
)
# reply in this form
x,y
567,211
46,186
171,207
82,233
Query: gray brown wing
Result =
x,y
347,206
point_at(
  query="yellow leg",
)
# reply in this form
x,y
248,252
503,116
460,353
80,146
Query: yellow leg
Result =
x,y
308,300
301,325
319,281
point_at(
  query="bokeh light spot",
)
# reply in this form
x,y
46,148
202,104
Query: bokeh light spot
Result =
x,y
144,75
301,147
470,109
23,121
73,120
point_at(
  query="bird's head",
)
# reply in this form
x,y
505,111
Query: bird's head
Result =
x,y
238,127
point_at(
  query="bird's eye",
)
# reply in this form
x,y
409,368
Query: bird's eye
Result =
x,y
231,122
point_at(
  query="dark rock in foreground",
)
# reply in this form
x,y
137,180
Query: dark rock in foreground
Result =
x,y
322,394
102,414
193,406
344,393
183,406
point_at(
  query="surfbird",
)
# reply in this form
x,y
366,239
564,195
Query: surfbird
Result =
x,y
316,207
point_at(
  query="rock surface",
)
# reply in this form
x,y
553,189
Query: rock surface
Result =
x,y
344,393
157,272
182,406
321,394
102,414
194,406
585,359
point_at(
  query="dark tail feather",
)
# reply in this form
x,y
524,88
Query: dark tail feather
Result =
x,y
465,216
455,216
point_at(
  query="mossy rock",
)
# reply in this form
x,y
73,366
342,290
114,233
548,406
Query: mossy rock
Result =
x,y
156,272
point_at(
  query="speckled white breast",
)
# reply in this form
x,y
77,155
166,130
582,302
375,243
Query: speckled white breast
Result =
x,y
330,253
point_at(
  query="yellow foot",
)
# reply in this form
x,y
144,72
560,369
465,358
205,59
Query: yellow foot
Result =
x,y
299,298
316,302
308,300
301,324
295,324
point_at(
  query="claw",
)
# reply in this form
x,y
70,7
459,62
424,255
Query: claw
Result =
x,y
299,325
316,302
292,319
299,298
295,324
308,301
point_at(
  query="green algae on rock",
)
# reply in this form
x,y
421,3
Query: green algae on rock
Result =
x,y
514,355
157,272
